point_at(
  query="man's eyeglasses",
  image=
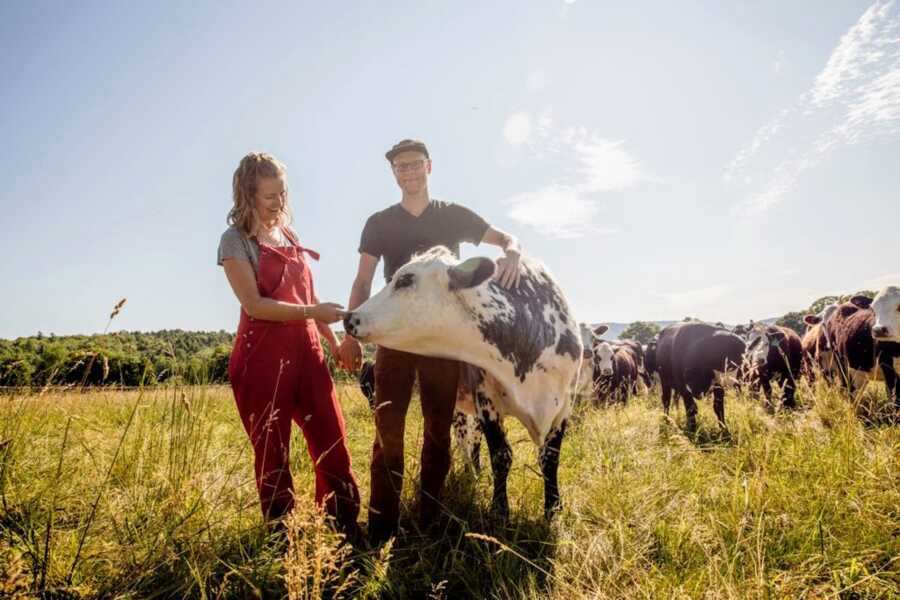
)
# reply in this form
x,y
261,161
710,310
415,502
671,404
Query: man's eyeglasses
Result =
x,y
405,167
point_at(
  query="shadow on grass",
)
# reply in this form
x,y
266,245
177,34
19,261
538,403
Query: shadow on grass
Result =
x,y
469,552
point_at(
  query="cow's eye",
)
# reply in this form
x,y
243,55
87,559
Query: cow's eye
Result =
x,y
404,281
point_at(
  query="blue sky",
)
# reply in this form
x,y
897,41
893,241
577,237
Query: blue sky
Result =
x,y
663,159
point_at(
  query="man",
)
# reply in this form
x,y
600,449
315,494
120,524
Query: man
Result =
x,y
416,224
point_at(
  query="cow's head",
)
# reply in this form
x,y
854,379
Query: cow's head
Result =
x,y
886,307
603,359
421,308
823,317
760,340
590,338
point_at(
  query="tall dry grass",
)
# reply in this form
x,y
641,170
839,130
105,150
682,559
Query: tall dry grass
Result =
x,y
151,494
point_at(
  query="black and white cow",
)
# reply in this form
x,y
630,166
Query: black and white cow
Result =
x,y
523,346
774,353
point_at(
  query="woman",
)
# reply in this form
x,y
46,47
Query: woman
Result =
x,y
278,371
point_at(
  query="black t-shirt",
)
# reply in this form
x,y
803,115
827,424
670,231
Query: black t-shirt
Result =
x,y
396,235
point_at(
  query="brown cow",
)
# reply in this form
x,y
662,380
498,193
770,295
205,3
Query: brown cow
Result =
x,y
859,357
693,358
615,372
818,353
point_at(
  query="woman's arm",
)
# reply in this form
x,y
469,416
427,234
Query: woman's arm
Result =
x,y
243,283
326,332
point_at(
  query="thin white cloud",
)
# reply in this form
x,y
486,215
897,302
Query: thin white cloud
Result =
x,y
692,299
517,129
567,206
606,166
854,99
558,211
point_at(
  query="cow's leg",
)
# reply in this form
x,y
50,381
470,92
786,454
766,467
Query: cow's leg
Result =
x,y
766,384
549,461
499,449
690,409
467,431
790,389
666,396
719,405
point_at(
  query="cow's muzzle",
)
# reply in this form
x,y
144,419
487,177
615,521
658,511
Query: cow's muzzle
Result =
x,y
880,332
351,323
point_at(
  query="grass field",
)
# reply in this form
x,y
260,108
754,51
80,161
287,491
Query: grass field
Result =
x,y
150,495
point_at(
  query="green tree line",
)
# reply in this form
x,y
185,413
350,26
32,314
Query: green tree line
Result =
x,y
124,358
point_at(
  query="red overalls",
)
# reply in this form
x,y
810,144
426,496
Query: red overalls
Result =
x,y
278,374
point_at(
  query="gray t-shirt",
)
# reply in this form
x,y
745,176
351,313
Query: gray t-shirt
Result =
x,y
234,244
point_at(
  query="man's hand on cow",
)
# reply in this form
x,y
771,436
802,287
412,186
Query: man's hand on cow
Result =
x,y
509,270
350,354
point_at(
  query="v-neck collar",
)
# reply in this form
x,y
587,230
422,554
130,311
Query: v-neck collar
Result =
x,y
421,214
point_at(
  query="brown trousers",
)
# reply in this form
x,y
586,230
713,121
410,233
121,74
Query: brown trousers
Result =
x,y
395,373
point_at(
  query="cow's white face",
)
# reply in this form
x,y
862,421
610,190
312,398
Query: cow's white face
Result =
x,y
760,340
823,317
590,338
418,310
886,307
603,359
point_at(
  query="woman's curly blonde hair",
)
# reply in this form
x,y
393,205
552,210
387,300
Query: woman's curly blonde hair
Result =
x,y
252,167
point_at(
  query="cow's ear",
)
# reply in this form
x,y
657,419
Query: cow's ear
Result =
x,y
812,319
471,273
601,329
861,301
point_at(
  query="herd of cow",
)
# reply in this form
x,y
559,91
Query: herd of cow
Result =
x,y
523,354
852,343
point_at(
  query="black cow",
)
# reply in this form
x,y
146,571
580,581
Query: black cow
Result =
x,y
693,358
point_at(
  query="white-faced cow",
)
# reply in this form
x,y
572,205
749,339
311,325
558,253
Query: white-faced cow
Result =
x,y
615,372
818,355
861,357
589,339
694,357
523,344
774,353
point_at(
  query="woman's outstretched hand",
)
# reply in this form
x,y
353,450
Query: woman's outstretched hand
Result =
x,y
326,312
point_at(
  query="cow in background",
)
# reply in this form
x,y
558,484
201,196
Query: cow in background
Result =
x,y
858,354
615,372
694,358
774,353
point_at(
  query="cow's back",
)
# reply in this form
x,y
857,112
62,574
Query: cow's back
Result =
x,y
701,351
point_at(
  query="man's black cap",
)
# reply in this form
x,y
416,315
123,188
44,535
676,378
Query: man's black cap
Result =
x,y
406,146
